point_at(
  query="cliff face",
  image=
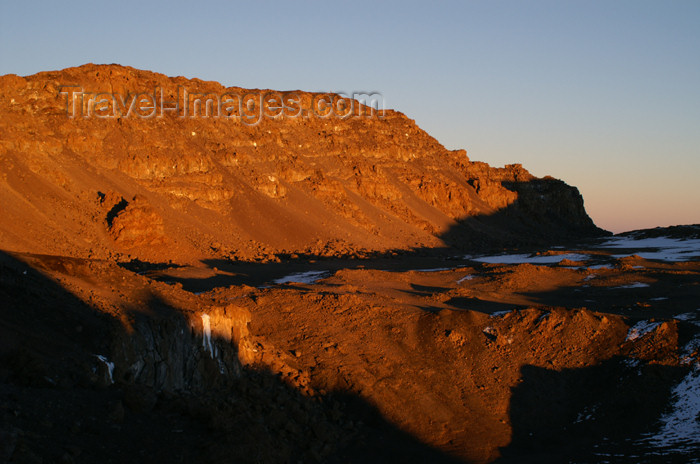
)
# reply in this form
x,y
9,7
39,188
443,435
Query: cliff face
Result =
x,y
89,168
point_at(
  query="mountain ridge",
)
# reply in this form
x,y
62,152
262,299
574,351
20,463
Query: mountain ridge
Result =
x,y
88,179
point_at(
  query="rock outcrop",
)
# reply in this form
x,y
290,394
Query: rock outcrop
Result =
x,y
244,184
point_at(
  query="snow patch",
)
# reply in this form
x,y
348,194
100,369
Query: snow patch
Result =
x,y
640,329
465,278
206,335
529,259
433,269
110,366
659,248
308,277
490,331
680,428
633,285
688,350
497,314
587,414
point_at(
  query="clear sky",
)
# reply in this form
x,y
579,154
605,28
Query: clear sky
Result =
x,y
602,94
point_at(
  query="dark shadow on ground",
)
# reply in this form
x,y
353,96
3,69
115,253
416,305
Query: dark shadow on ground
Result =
x,y
58,404
425,290
667,294
255,274
484,306
546,212
589,415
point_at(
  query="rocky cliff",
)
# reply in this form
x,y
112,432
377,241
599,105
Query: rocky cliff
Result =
x,y
106,160
130,327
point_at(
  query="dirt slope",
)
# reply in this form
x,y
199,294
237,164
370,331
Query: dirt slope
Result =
x,y
83,179
374,363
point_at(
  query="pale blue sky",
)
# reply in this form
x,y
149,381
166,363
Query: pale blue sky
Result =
x,y
602,94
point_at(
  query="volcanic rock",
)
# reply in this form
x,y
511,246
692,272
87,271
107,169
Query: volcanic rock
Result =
x,y
203,185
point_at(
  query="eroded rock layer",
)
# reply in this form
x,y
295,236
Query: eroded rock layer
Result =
x,y
87,171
